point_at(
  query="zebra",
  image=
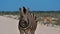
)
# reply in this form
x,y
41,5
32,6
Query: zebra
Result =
x,y
27,21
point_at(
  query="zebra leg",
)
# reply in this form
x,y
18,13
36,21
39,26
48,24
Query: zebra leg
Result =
x,y
32,32
26,32
21,32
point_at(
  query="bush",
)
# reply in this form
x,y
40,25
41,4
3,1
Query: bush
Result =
x,y
58,22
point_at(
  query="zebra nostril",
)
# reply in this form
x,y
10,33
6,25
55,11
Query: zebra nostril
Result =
x,y
25,21
24,24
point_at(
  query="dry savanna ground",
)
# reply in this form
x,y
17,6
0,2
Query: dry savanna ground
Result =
x,y
9,26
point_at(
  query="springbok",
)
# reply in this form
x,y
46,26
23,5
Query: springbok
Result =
x,y
47,20
27,21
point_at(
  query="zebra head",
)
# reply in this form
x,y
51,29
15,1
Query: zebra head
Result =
x,y
24,21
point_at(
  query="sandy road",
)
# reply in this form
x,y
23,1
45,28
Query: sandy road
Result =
x,y
9,26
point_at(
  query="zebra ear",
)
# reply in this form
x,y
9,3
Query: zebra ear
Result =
x,y
24,10
27,11
21,11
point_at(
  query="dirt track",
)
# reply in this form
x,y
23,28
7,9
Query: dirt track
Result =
x,y
9,26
